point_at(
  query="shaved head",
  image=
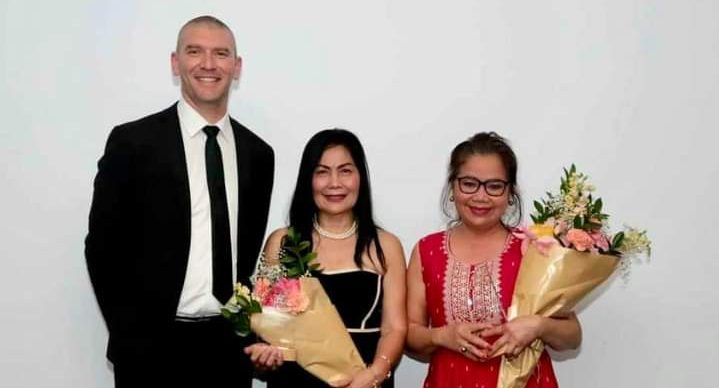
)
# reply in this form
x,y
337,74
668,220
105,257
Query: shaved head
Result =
x,y
208,21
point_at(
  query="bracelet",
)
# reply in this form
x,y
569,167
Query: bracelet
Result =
x,y
389,367
389,363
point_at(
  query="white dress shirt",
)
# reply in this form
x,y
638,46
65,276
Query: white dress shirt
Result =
x,y
197,299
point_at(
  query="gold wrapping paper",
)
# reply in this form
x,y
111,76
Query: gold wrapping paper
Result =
x,y
316,338
550,285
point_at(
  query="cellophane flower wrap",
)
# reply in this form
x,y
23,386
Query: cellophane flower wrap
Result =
x,y
568,252
288,308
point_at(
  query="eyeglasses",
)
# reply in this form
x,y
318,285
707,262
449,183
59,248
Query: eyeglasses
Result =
x,y
471,185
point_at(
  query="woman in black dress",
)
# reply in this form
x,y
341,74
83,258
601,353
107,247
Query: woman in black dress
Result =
x,y
363,266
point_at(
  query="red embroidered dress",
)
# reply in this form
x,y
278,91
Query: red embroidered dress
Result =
x,y
461,292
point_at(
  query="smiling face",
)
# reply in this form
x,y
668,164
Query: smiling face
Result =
x,y
206,63
335,182
480,210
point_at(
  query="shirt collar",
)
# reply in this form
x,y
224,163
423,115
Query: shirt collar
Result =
x,y
191,122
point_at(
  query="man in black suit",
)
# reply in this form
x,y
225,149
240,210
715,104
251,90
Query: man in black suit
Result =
x,y
178,215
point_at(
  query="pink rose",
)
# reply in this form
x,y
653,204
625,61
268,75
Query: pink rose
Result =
x,y
270,298
545,244
540,235
581,240
290,295
600,240
296,301
524,234
560,228
520,232
262,288
286,285
274,294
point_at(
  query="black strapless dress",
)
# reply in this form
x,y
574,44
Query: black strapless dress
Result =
x,y
357,296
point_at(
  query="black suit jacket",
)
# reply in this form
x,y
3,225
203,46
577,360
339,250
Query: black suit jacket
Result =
x,y
139,229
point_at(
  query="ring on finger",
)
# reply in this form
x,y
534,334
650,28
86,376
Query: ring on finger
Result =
x,y
463,349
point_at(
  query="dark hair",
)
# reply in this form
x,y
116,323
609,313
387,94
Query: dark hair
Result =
x,y
485,143
303,208
206,19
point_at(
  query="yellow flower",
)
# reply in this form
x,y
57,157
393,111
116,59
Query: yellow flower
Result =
x,y
542,230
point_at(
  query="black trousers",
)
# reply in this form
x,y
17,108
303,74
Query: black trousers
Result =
x,y
193,355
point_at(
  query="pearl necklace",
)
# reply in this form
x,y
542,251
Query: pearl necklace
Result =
x,y
335,236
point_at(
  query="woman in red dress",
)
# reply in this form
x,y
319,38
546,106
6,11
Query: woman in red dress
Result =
x,y
460,281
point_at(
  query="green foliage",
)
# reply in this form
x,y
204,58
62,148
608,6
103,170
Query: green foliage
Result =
x,y
238,311
240,321
573,205
616,243
297,256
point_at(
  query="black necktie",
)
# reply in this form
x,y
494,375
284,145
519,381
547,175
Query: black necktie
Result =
x,y
221,248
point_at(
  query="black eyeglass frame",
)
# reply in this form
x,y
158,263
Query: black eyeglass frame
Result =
x,y
481,183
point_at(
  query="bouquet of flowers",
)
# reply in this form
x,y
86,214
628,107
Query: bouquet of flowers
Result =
x,y
568,252
289,309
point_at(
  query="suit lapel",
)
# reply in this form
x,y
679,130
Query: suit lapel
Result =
x,y
177,159
174,151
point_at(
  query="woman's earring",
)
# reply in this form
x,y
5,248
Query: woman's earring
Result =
x,y
451,198
510,202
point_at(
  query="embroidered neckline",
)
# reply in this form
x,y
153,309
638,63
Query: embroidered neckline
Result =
x,y
472,292
448,251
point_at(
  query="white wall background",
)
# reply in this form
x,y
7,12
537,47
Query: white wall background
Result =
x,y
627,89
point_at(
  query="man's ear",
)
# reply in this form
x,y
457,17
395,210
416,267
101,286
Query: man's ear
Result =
x,y
238,68
174,63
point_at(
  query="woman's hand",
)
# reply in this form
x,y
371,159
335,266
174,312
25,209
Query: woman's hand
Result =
x,y
516,334
366,378
264,356
464,338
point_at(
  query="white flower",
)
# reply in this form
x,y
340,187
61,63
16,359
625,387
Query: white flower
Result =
x,y
635,243
242,290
